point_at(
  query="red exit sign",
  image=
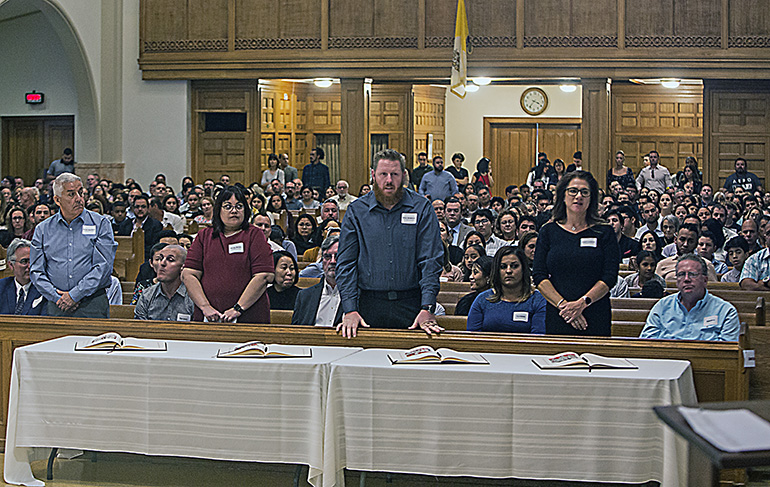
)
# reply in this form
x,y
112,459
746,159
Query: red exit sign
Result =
x,y
34,97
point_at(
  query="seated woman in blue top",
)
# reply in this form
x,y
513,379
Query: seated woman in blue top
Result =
x,y
511,305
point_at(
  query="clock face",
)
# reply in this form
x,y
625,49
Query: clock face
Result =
x,y
534,101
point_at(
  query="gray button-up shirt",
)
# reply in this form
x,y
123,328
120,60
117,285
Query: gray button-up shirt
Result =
x,y
75,257
389,250
154,305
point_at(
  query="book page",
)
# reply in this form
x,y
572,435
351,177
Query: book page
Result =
x,y
733,430
287,351
105,340
422,353
599,361
142,344
255,348
448,355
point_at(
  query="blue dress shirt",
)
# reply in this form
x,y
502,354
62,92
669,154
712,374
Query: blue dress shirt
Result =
x,y
75,257
712,318
439,186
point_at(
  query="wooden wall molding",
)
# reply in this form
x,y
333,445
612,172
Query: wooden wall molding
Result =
x,y
281,43
751,42
372,42
571,41
673,42
179,45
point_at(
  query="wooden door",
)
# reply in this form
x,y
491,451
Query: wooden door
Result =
x,y
29,144
512,146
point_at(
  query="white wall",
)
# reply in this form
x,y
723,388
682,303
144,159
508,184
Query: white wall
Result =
x,y
32,58
465,117
155,115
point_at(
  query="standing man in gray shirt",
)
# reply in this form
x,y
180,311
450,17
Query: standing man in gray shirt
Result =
x,y
72,255
390,255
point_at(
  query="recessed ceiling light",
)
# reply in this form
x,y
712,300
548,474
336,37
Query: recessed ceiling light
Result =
x,y
482,81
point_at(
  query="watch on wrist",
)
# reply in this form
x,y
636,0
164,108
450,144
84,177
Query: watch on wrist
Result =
x,y
431,308
237,307
587,300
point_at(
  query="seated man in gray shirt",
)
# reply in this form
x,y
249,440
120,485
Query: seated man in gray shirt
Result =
x,y
167,300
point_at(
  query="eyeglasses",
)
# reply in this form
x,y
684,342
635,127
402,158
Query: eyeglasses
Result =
x,y
584,192
482,221
686,274
23,261
229,207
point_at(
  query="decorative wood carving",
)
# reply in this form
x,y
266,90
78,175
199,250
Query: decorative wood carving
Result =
x,y
186,45
278,43
673,41
473,41
748,41
372,42
570,41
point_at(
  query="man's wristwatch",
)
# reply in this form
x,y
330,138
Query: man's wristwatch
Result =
x,y
237,307
431,308
587,300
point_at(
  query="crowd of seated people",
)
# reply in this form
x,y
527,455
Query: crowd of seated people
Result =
x,y
656,219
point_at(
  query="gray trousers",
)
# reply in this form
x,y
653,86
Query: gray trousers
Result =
x,y
94,306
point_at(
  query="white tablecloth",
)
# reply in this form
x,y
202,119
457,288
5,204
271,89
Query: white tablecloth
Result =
x,y
506,419
183,402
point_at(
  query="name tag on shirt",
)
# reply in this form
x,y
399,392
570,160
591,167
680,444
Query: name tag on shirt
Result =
x,y
236,248
588,242
409,218
89,229
182,317
710,321
520,316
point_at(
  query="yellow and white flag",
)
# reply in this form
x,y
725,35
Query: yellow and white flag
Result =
x,y
460,54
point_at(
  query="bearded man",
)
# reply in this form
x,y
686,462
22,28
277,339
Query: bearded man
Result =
x,y
390,255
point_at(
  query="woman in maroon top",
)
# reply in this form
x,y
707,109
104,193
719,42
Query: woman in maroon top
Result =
x,y
229,265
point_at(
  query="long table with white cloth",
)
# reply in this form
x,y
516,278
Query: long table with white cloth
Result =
x,y
183,402
348,408
505,419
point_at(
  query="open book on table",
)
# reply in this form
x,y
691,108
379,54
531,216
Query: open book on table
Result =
x,y
571,360
427,355
114,342
257,349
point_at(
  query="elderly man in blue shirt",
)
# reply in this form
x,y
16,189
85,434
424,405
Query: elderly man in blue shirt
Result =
x,y
72,255
692,313
390,255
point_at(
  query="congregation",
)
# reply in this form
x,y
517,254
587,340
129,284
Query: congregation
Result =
x,y
546,258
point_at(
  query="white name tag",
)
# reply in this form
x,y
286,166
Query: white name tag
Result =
x,y
710,320
409,218
89,229
588,242
520,316
182,317
236,248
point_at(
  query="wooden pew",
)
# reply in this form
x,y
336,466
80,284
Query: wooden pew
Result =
x,y
129,256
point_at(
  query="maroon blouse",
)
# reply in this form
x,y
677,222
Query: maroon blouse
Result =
x,y
228,264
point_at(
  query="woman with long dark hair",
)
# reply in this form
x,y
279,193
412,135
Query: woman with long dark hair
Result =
x,y
483,176
511,305
480,279
576,260
229,265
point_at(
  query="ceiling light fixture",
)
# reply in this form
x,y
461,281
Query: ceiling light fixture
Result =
x,y
471,88
482,81
323,82
670,82
568,88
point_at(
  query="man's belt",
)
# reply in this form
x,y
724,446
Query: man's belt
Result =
x,y
392,295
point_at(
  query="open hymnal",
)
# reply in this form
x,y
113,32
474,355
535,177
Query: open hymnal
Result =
x,y
427,355
115,342
571,360
258,349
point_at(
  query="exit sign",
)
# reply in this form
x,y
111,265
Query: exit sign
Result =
x,y
34,98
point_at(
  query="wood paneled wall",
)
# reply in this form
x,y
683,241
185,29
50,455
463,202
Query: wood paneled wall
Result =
x,y
289,114
184,39
738,125
650,117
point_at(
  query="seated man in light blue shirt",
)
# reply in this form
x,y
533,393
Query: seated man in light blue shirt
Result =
x,y
755,275
692,313
72,255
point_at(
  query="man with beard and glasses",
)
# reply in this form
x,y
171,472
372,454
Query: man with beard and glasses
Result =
x,y
742,178
390,255
319,305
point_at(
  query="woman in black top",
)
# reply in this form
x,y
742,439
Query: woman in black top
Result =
x,y
18,223
283,292
304,233
576,261
621,173
481,271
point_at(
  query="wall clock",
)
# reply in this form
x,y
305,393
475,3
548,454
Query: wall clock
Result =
x,y
534,101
